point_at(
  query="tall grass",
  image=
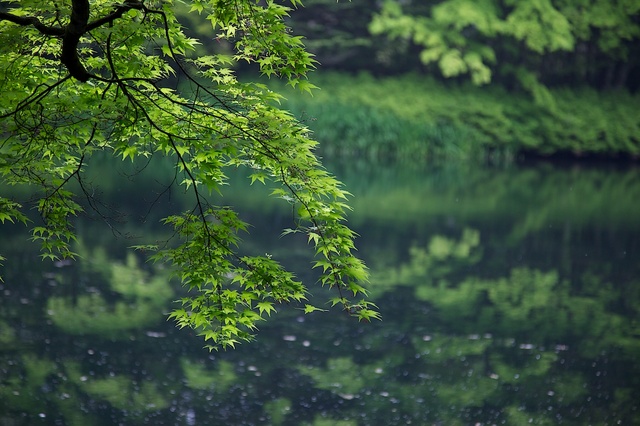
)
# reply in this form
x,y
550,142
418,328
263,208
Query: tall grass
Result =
x,y
418,118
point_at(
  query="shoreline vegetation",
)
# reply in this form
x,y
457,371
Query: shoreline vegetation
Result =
x,y
417,118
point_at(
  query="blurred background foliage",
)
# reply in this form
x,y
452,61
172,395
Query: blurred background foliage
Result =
x,y
469,79
556,42
415,117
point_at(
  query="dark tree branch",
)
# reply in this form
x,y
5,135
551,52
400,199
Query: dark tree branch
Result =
x,y
78,26
34,97
116,14
75,29
35,22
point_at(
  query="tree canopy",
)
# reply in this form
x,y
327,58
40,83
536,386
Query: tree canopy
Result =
x,y
530,44
533,42
80,78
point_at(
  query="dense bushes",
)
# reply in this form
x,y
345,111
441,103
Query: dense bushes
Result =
x,y
415,117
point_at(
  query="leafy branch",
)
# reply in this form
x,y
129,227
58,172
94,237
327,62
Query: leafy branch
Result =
x,y
110,91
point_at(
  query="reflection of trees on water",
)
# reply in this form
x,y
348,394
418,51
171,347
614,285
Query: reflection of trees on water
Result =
x,y
510,324
529,347
97,298
452,348
130,300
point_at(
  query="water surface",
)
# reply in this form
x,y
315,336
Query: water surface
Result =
x,y
509,295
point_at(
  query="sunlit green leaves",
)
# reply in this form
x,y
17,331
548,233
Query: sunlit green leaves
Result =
x,y
441,35
56,235
265,308
52,124
541,26
310,308
10,211
464,36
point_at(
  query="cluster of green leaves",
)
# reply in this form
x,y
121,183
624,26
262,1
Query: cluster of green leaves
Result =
x,y
523,39
361,114
80,78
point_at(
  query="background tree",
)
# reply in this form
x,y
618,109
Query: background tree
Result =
x,y
534,43
338,34
549,74
80,78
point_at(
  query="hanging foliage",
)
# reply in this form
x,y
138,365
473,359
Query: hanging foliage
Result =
x,y
79,78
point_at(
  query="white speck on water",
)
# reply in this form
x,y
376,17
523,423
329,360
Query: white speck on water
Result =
x,y
190,417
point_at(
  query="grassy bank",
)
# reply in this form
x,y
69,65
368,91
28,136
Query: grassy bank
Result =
x,y
415,117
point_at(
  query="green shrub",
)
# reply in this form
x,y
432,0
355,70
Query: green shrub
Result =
x,y
418,118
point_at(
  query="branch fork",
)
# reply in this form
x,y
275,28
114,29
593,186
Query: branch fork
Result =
x,y
78,26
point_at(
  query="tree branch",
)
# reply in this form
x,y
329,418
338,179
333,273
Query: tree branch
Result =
x,y
116,14
75,29
78,26
35,22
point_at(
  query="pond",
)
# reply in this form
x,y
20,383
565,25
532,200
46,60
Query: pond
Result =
x,y
509,295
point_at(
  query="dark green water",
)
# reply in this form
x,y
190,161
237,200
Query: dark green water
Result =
x,y
509,295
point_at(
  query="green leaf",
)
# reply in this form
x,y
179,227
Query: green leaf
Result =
x,y
310,308
265,307
368,315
